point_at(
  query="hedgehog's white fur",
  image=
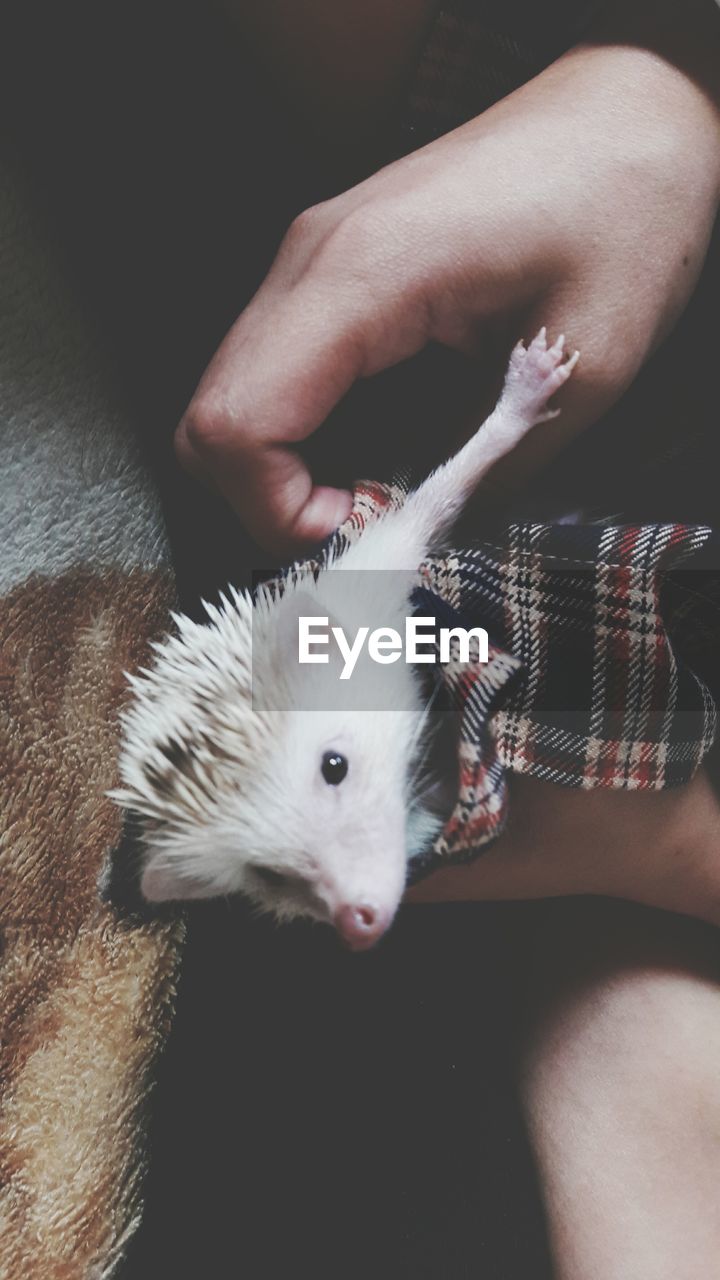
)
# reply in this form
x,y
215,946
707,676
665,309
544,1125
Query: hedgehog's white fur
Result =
x,y
223,740
220,758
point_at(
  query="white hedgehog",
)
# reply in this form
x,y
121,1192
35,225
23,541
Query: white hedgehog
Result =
x,y
247,776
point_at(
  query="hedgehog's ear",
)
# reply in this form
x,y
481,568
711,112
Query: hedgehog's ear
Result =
x,y
160,883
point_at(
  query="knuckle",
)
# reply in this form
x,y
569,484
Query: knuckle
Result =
x,y
356,236
358,260
203,428
309,226
343,244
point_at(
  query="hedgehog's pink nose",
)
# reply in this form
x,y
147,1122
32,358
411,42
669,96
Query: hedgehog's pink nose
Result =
x,y
361,926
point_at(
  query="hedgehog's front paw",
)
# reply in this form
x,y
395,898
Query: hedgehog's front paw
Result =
x,y
534,374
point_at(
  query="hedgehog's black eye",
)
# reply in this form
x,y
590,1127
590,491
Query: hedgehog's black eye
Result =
x,y
334,767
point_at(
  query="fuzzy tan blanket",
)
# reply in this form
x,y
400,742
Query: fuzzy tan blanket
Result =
x,y
85,994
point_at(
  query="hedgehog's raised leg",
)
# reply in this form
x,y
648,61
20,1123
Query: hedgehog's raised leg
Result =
x,y
534,374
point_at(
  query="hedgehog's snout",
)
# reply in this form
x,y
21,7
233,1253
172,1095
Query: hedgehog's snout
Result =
x,y
361,925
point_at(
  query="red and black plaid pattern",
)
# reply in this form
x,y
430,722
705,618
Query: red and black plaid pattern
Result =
x,y
603,666
603,623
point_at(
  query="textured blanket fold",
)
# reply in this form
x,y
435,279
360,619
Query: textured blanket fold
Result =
x,y
84,586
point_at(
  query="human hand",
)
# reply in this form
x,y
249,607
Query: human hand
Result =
x,y
569,204
661,849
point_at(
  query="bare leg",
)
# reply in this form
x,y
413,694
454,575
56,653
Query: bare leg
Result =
x,y
621,1087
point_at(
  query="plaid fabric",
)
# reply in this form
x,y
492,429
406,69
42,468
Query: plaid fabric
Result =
x,y
603,667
